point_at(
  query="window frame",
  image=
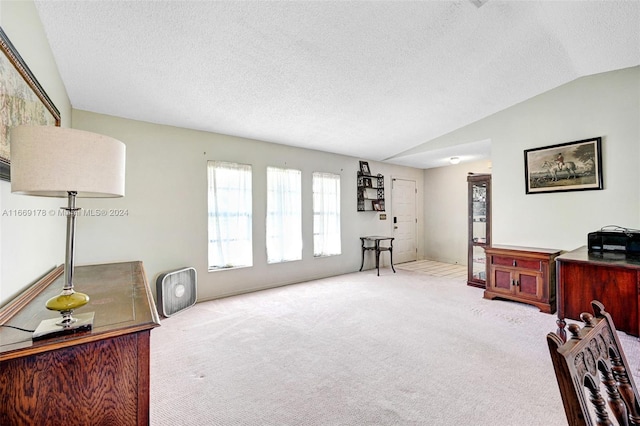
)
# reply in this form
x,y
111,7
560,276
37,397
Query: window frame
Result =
x,y
275,239
337,212
244,243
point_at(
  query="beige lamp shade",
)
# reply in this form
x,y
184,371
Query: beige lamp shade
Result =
x,y
50,161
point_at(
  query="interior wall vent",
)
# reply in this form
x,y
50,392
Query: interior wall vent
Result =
x,y
176,291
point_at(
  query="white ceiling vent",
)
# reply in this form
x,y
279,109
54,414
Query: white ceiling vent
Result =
x,y
176,291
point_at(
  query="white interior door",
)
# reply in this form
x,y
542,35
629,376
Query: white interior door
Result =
x,y
403,211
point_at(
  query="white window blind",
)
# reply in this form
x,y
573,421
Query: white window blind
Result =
x,y
326,214
284,215
230,215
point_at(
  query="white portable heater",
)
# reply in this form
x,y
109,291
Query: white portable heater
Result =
x,y
176,291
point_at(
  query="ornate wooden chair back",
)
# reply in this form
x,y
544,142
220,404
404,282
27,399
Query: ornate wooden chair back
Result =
x,y
593,373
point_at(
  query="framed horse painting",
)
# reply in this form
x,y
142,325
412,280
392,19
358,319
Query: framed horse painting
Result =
x,y
570,166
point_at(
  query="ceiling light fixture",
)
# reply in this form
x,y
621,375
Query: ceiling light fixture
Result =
x,y
454,160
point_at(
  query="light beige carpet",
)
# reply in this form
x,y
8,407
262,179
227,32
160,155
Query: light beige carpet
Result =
x,y
357,349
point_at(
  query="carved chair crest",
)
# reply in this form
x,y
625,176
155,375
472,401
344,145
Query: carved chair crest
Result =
x,y
593,373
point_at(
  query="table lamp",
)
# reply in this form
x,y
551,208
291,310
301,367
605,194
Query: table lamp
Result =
x,y
49,161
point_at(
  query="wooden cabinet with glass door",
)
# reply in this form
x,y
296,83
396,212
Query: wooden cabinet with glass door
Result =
x,y
479,228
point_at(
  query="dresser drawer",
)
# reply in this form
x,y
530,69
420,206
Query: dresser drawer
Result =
x,y
517,262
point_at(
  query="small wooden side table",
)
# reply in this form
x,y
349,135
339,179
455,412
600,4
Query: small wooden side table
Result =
x,y
378,248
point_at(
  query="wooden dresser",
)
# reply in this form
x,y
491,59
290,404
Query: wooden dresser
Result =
x,y
522,274
98,377
611,278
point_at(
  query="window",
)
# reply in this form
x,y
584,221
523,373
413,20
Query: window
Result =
x,y
230,215
284,215
326,214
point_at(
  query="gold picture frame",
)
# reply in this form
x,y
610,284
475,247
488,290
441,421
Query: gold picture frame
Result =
x,y
22,100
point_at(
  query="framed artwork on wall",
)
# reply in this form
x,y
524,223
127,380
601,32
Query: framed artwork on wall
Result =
x,y
22,100
570,166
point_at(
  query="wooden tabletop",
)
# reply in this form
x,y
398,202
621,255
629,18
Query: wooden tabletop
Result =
x,y
523,248
617,259
119,296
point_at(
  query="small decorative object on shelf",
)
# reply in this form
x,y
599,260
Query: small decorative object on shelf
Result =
x,y
479,227
364,168
370,190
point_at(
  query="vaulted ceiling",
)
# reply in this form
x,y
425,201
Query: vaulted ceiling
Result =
x,y
369,79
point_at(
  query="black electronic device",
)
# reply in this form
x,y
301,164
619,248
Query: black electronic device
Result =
x,y
614,239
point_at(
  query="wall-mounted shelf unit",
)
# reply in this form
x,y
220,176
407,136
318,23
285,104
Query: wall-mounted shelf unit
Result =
x,y
370,192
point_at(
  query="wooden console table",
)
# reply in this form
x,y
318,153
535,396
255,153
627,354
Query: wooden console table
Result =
x,y
93,377
378,248
522,274
611,278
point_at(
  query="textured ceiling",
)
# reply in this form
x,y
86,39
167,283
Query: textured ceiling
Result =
x,y
366,79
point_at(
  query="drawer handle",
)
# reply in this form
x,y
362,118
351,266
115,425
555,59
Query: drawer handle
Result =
x,y
515,263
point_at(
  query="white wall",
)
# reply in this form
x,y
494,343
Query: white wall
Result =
x,y
446,211
166,200
166,196
166,184
606,105
30,246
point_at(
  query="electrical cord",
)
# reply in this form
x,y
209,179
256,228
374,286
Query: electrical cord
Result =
x,y
17,328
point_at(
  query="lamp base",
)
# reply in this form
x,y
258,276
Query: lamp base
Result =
x,y
52,328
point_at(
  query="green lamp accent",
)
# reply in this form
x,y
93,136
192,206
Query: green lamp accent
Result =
x,y
67,302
